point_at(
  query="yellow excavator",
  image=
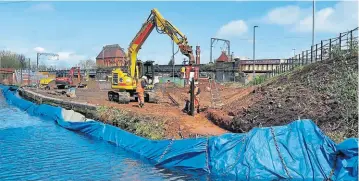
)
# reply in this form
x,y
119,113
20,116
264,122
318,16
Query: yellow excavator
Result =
x,y
124,84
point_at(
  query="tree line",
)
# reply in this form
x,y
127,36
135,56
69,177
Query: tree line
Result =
x,y
10,59
14,60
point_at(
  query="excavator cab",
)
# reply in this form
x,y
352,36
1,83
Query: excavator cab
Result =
x,y
146,69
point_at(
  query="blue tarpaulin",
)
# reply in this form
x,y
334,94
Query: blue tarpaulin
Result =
x,y
298,151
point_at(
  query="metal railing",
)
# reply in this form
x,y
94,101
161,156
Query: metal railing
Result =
x,y
346,42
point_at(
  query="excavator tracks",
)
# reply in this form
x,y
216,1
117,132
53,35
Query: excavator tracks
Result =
x,y
120,97
125,97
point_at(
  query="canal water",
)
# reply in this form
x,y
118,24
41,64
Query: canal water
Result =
x,y
35,149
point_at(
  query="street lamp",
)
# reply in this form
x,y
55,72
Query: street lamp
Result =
x,y
254,50
313,23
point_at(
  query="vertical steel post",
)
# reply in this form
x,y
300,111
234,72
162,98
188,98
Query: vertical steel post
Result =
x,y
254,50
37,61
173,61
351,40
192,97
287,67
311,54
316,52
306,57
321,50
313,22
302,57
330,48
210,52
340,41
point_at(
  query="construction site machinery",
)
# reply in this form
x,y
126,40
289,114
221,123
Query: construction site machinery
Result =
x,y
62,81
124,83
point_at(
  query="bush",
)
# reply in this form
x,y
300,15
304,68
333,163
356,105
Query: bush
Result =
x,y
258,80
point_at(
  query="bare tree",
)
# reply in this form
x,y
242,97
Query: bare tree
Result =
x,y
21,59
87,64
9,60
170,62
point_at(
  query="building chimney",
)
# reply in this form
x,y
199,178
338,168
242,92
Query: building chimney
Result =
x,y
198,55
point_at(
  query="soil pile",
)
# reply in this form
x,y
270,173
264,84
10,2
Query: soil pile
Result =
x,y
325,92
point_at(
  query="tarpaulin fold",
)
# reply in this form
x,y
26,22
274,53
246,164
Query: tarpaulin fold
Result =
x,y
295,151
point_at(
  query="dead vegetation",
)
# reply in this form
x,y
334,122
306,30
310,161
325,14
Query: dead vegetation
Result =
x,y
151,127
325,92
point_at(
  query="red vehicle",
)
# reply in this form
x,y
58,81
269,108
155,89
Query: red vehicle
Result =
x,y
65,82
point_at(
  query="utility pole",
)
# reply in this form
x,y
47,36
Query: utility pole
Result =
x,y
46,54
37,61
254,50
313,24
173,60
213,40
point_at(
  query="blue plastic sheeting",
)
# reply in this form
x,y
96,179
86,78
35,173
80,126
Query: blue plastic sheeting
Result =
x,y
296,151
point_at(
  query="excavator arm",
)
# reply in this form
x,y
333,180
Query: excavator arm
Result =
x,y
156,20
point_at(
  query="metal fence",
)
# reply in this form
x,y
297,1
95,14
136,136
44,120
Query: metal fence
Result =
x,y
346,42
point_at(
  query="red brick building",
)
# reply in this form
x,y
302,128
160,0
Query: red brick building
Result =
x,y
111,56
223,57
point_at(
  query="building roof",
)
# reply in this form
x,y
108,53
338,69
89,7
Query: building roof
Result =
x,y
223,57
111,51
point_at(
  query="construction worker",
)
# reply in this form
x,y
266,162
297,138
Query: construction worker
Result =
x,y
196,97
140,89
197,91
183,72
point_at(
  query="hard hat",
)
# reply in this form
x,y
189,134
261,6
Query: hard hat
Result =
x,y
144,77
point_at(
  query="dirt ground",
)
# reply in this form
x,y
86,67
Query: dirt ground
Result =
x,y
325,92
96,93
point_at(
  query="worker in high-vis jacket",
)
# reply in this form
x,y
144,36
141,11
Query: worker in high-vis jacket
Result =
x,y
183,72
197,91
196,97
140,89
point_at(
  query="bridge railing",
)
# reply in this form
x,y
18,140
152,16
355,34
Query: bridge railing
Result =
x,y
344,43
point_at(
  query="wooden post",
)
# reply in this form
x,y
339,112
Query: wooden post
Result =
x,y
192,98
321,50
